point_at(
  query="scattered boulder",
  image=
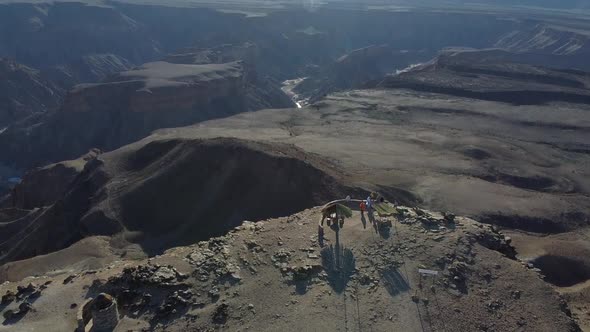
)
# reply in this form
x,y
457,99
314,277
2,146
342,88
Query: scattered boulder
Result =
x,y
495,305
449,217
515,294
305,272
69,279
9,314
214,263
457,276
492,239
174,302
252,245
214,293
23,291
9,297
24,308
152,274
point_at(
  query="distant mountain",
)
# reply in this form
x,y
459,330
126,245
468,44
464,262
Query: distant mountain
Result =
x,y
491,75
563,4
131,104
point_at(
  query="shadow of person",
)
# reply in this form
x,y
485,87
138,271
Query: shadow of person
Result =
x,y
394,281
339,264
13,319
373,221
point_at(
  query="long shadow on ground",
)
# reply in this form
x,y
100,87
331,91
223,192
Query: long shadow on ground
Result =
x,y
339,264
394,281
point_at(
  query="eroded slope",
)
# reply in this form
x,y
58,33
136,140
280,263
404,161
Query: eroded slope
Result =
x,y
162,193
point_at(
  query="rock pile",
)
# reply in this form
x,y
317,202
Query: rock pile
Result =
x,y
23,309
175,302
492,239
212,262
151,274
27,294
154,289
304,272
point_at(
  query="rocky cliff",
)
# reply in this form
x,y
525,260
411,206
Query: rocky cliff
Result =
x,y
355,69
132,104
24,91
487,75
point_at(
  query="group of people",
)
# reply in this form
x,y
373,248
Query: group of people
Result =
x,y
369,203
335,218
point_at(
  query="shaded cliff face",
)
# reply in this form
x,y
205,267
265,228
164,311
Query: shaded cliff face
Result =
x,y
355,69
549,44
486,75
168,192
540,37
158,87
131,105
44,186
24,91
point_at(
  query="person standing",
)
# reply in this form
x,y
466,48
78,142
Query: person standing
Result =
x,y
370,202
